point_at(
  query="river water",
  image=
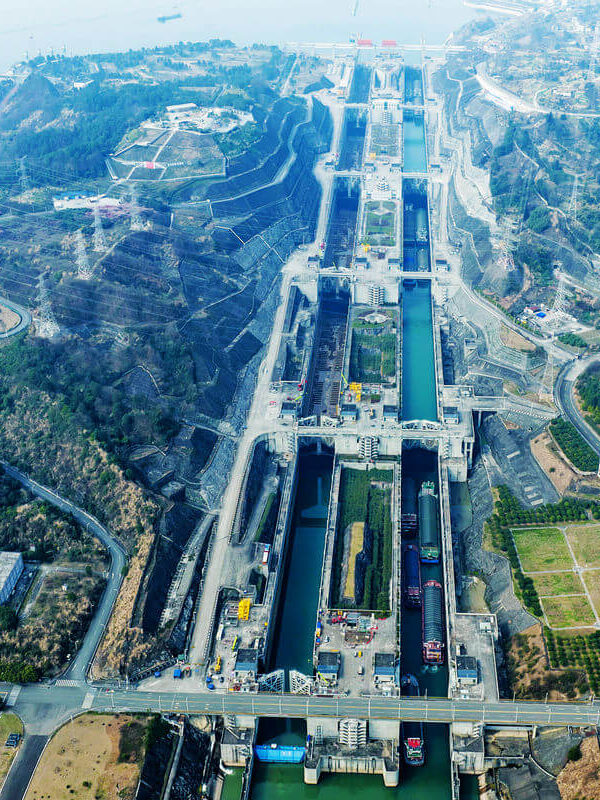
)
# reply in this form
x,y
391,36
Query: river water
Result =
x,y
43,26
293,649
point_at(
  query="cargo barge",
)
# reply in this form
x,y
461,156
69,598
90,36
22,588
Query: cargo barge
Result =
x,y
413,741
429,524
412,577
432,621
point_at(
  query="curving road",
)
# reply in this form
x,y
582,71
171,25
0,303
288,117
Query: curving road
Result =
x,y
24,318
564,398
80,665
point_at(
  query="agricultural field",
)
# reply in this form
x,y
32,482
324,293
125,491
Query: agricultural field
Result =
x,y
380,223
542,549
557,583
568,612
547,562
585,541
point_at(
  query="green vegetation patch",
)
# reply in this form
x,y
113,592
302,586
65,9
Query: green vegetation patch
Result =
x,y
585,541
542,549
588,388
573,445
568,612
373,354
556,583
365,496
508,512
572,339
380,223
579,650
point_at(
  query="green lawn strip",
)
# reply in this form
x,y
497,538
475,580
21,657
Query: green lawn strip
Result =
x,y
568,612
541,549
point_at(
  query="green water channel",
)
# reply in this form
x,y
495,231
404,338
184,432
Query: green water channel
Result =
x,y
413,136
419,395
293,649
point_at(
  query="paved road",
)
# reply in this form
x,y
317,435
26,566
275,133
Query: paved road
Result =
x,y
563,395
80,665
18,778
25,317
443,710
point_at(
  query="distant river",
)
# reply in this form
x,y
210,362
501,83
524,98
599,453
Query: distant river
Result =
x,y
43,26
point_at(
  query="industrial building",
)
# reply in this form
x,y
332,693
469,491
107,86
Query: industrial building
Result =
x,y
11,568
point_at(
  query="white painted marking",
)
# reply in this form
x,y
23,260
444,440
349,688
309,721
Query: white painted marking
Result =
x,y
12,697
88,699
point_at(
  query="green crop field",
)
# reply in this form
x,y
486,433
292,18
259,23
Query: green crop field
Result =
x,y
568,612
556,583
541,549
585,541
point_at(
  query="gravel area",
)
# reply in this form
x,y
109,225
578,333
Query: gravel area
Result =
x,y
507,460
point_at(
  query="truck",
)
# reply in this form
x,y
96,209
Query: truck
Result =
x,y
412,577
432,623
429,524
411,733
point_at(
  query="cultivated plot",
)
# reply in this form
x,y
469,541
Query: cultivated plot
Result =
x,y
568,612
558,561
542,549
557,583
585,541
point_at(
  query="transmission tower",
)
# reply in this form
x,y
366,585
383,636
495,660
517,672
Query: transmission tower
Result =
x,y
505,259
47,327
560,298
572,209
99,240
594,54
84,270
136,220
23,179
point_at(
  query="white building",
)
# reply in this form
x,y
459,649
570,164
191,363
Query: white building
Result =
x,y
11,567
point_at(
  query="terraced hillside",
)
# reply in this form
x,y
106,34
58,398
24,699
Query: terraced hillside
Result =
x,y
153,301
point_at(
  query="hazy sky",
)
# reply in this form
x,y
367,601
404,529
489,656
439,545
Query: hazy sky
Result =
x,y
84,26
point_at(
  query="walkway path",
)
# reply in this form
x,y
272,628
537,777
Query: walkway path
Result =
x,y
81,663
